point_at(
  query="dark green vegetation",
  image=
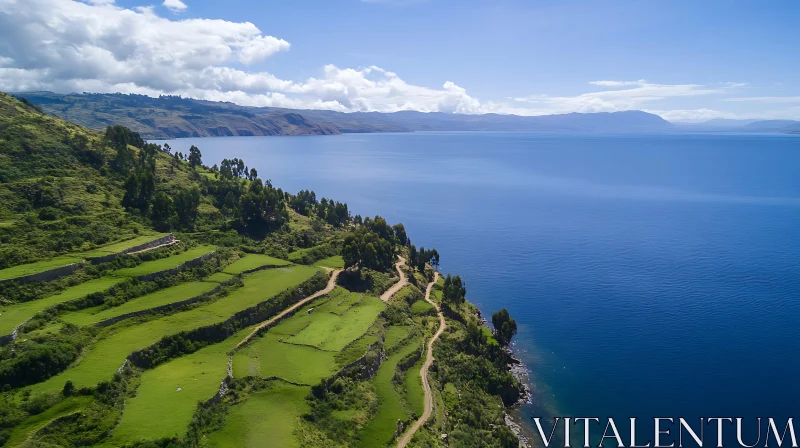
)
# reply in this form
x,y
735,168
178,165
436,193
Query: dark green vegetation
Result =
x,y
505,327
134,349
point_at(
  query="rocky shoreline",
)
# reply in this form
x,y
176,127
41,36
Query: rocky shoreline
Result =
x,y
514,420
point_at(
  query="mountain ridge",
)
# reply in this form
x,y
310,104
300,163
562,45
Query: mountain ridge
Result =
x,y
175,117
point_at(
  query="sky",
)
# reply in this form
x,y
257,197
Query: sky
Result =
x,y
686,61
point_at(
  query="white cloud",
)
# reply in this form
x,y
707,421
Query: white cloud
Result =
x,y
617,83
175,5
767,99
635,96
692,115
97,46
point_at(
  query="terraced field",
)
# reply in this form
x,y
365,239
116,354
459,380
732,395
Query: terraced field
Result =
x,y
101,360
163,264
121,246
13,315
380,429
332,332
253,261
38,267
267,418
179,293
168,395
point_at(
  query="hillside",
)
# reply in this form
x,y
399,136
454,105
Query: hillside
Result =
x,y
148,300
171,117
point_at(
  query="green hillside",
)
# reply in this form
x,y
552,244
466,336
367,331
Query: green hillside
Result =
x,y
244,314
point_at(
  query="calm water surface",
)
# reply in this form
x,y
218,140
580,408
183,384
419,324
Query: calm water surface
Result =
x,y
651,275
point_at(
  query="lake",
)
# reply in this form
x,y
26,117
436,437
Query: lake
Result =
x,y
650,275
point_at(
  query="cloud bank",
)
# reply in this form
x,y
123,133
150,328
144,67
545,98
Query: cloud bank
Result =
x,y
97,46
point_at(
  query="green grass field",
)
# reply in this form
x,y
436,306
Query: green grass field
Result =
x,y
414,393
151,267
421,307
380,429
395,335
253,261
219,277
120,246
184,291
168,395
38,267
24,430
335,262
267,356
101,360
13,315
332,332
267,418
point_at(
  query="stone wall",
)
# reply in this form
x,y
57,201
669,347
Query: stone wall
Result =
x,y
169,306
176,269
169,239
47,276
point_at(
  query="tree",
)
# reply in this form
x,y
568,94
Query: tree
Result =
x,y
364,248
195,157
454,291
186,204
400,234
163,212
69,389
505,327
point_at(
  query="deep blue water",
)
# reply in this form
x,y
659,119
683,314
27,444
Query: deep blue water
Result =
x,y
651,275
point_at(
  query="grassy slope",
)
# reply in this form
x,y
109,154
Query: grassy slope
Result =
x,y
380,429
101,360
168,395
253,261
267,357
335,262
163,264
37,267
23,431
267,418
333,332
13,315
120,246
161,297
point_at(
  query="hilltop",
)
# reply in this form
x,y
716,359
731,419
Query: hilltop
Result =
x,y
174,117
148,299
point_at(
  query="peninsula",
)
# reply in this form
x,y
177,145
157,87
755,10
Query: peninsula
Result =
x,y
156,299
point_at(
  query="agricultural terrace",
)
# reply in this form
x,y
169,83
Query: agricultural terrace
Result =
x,y
332,332
121,246
101,360
163,264
38,267
13,315
34,423
267,415
380,430
168,394
335,262
179,293
253,261
336,319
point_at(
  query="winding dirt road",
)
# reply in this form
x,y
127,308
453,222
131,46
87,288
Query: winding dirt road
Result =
x,y
426,414
320,293
399,285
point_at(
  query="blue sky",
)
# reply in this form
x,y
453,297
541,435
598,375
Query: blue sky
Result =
x,y
687,61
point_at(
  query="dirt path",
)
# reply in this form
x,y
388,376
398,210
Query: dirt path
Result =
x,y
328,288
397,286
426,414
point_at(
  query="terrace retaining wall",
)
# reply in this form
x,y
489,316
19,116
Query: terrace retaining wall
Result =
x,y
176,269
169,239
169,306
46,276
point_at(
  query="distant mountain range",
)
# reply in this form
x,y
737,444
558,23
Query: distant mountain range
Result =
x,y
175,117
